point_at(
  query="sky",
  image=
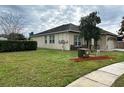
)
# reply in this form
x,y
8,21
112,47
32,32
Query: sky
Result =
x,y
41,18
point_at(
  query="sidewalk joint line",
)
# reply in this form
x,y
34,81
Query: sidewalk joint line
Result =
x,y
108,72
96,81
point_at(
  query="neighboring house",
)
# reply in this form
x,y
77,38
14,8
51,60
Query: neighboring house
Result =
x,y
69,33
3,37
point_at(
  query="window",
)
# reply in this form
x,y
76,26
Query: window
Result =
x,y
51,39
77,40
45,39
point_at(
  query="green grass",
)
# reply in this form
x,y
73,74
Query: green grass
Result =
x,y
119,82
47,67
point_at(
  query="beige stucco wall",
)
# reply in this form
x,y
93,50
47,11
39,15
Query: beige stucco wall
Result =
x,y
69,37
102,42
60,36
107,44
111,42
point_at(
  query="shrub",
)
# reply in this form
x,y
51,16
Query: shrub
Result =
x,y
7,46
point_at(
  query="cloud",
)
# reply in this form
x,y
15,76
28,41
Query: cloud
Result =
x,y
44,17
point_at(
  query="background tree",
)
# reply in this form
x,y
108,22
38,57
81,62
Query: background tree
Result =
x,y
11,22
16,36
121,30
88,28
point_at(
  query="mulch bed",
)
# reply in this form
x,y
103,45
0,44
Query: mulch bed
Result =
x,y
91,58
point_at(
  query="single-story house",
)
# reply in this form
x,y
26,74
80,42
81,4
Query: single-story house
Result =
x,y
67,36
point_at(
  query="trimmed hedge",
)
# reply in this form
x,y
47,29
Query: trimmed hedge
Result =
x,y
8,46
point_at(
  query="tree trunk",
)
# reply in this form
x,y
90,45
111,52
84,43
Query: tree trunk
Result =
x,y
87,43
95,44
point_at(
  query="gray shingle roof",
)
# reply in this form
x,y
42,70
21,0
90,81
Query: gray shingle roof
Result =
x,y
107,33
68,28
62,28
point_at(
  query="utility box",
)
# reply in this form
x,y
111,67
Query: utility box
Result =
x,y
83,52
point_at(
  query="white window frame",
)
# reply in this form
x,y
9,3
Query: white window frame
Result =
x,y
51,39
45,39
77,40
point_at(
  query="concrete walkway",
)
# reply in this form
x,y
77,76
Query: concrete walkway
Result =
x,y
103,77
118,50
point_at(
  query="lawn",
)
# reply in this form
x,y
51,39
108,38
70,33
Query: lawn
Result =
x,y
119,82
47,67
